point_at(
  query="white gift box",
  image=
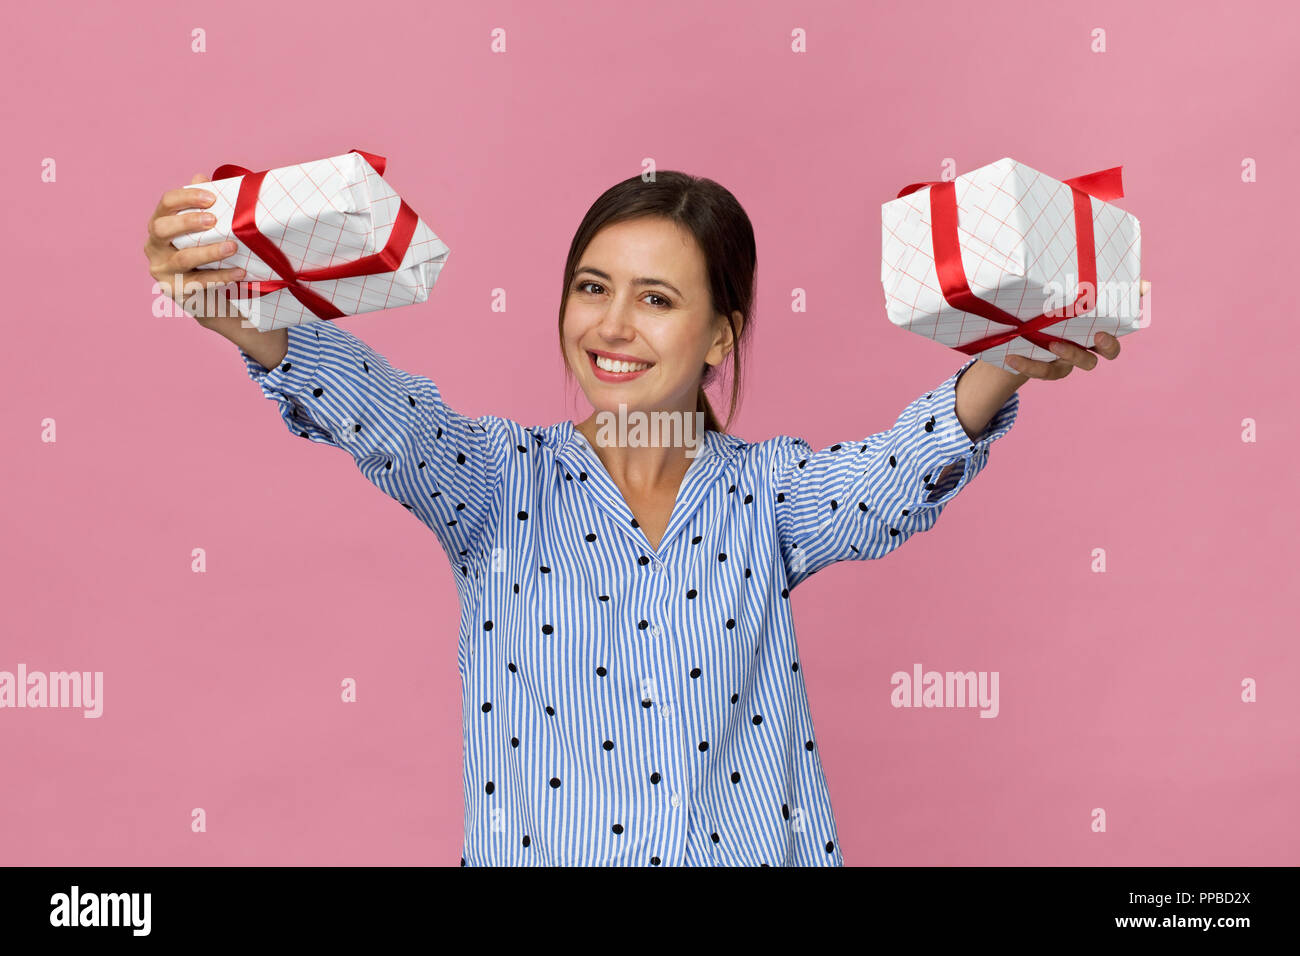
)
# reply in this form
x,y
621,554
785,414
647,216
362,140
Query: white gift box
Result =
x,y
321,214
1016,232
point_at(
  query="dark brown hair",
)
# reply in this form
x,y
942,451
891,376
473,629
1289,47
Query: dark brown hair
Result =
x,y
724,234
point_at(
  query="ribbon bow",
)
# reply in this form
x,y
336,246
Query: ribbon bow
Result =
x,y
1104,184
244,224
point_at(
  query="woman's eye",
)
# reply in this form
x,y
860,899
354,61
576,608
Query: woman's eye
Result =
x,y
583,287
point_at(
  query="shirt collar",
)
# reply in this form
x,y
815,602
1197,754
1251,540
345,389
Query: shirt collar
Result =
x,y
580,461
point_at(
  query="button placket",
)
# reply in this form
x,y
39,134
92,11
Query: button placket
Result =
x,y
662,647
347,430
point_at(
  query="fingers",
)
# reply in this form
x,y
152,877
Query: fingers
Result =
x,y
1052,370
1144,288
182,211
206,286
1035,369
1071,356
1074,355
187,260
206,295
166,223
189,197
174,200
207,278
1107,345
179,263
166,228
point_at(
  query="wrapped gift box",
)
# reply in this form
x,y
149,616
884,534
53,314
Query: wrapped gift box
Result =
x,y
965,262
319,240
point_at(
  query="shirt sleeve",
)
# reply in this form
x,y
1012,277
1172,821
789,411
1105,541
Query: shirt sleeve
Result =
x,y
858,500
440,465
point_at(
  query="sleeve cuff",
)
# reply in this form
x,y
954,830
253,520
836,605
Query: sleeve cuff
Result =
x,y
290,377
949,464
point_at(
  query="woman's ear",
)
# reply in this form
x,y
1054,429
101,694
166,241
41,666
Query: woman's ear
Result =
x,y
724,340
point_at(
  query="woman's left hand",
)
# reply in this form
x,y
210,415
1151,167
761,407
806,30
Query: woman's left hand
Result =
x,y
1070,355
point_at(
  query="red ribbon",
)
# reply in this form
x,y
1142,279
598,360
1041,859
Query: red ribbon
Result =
x,y
1104,184
389,259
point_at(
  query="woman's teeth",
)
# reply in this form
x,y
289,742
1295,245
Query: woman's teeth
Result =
x,y
609,365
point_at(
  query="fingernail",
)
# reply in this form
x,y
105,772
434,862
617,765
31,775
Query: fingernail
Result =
x,y
227,247
238,273
208,197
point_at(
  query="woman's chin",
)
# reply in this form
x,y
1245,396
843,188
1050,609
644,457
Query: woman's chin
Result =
x,y
604,408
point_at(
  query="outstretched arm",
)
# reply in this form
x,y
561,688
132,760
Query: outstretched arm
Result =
x,y
440,465
859,500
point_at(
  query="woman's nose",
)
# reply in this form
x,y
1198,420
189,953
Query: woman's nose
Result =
x,y
617,323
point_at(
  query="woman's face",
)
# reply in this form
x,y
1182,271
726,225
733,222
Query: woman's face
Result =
x,y
640,293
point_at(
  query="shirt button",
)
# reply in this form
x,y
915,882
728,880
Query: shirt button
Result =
x,y
676,800
666,710
656,630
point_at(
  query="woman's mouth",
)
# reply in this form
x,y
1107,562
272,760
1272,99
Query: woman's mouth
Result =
x,y
611,370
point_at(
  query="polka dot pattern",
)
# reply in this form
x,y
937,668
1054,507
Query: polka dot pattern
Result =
x,y
627,704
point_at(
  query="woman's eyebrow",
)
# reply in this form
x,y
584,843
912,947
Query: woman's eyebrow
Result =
x,y
643,281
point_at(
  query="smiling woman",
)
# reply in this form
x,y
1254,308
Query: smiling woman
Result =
x,y
695,306
632,691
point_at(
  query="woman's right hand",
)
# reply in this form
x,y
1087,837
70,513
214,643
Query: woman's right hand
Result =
x,y
199,292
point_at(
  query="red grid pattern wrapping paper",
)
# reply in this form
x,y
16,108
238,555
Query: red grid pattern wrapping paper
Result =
x,y
322,214
1016,232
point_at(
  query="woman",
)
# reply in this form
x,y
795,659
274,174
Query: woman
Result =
x,y
631,684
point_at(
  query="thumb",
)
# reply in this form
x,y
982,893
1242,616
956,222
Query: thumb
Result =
x,y
199,178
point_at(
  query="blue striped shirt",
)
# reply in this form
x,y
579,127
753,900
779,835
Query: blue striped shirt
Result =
x,y
623,705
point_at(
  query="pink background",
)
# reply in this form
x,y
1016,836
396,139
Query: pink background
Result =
x,y
1118,690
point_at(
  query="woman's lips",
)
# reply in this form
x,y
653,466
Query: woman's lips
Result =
x,y
605,376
